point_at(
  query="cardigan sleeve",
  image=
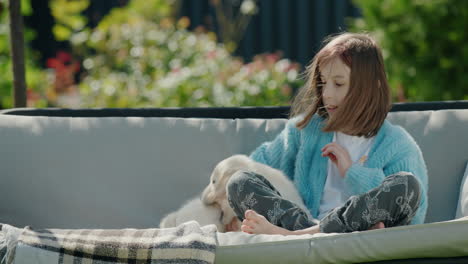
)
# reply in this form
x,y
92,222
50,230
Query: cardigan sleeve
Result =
x,y
362,179
281,152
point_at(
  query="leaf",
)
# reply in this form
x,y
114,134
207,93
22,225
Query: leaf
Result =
x,y
61,33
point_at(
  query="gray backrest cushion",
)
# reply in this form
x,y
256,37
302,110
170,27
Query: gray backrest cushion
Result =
x,y
443,139
130,172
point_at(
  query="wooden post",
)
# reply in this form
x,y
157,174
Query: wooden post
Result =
x,y
17,53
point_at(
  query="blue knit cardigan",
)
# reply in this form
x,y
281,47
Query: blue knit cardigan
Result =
x,y
297,153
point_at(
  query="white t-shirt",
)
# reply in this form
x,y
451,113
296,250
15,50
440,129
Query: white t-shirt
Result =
x,y
336,192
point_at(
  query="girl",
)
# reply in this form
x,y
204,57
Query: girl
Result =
x,y
354,170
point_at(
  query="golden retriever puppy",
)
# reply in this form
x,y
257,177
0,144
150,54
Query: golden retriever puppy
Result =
x,y
196,210
215,192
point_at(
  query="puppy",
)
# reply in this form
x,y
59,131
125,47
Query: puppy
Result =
x,y
195,209
215,192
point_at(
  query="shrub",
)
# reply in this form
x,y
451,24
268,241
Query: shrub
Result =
x,y
424,45
142,62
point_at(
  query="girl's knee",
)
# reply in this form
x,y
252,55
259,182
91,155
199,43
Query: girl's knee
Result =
x,y
243,182
239,178
413,183
409,182
408,179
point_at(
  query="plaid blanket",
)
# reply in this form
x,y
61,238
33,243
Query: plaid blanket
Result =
x,y
186,243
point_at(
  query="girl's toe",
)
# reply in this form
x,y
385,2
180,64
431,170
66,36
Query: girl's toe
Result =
x,y
255,216
248,222
249,213
247,229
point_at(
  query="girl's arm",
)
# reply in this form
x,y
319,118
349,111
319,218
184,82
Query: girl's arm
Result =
x,y
281,152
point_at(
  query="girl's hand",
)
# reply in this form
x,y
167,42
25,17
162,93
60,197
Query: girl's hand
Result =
x,y
339,156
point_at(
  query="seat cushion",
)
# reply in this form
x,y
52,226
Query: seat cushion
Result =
x,y
435,240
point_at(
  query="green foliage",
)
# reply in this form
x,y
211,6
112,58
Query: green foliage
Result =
x,y
424,45
68,17
152,10
142,62
149,10
35,77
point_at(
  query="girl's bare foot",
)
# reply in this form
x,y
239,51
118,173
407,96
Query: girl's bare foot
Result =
x,y
255,223
379,225
258,224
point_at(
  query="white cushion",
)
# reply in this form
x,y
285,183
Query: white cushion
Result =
x,y
433,240
462,207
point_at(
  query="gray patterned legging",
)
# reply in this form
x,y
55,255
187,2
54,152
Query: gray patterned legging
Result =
x,y
394,203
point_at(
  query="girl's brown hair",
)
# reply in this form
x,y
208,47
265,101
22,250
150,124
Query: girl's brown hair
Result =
x,y
368,100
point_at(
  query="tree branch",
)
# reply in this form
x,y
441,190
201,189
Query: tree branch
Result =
x,y
17,53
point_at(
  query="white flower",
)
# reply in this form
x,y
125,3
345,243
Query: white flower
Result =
x,y
292,75
191,41
248,7
96,36
88,63
168,82
109,88
77,39
253,90
282,65
4,29
95,85
173,46
175,63
220,95
262,76
272,85
126,31
136,51
198,94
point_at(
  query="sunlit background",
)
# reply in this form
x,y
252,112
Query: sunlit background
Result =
x,y
202,53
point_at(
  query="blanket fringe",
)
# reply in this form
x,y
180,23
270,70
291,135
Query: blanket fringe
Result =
x,y
8,240
3,246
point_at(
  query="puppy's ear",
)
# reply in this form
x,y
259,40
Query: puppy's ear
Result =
x,y
208,195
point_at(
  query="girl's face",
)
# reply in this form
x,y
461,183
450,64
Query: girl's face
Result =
x,y
335,79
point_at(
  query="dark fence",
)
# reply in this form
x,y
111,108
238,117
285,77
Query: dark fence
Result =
x,y
295,27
